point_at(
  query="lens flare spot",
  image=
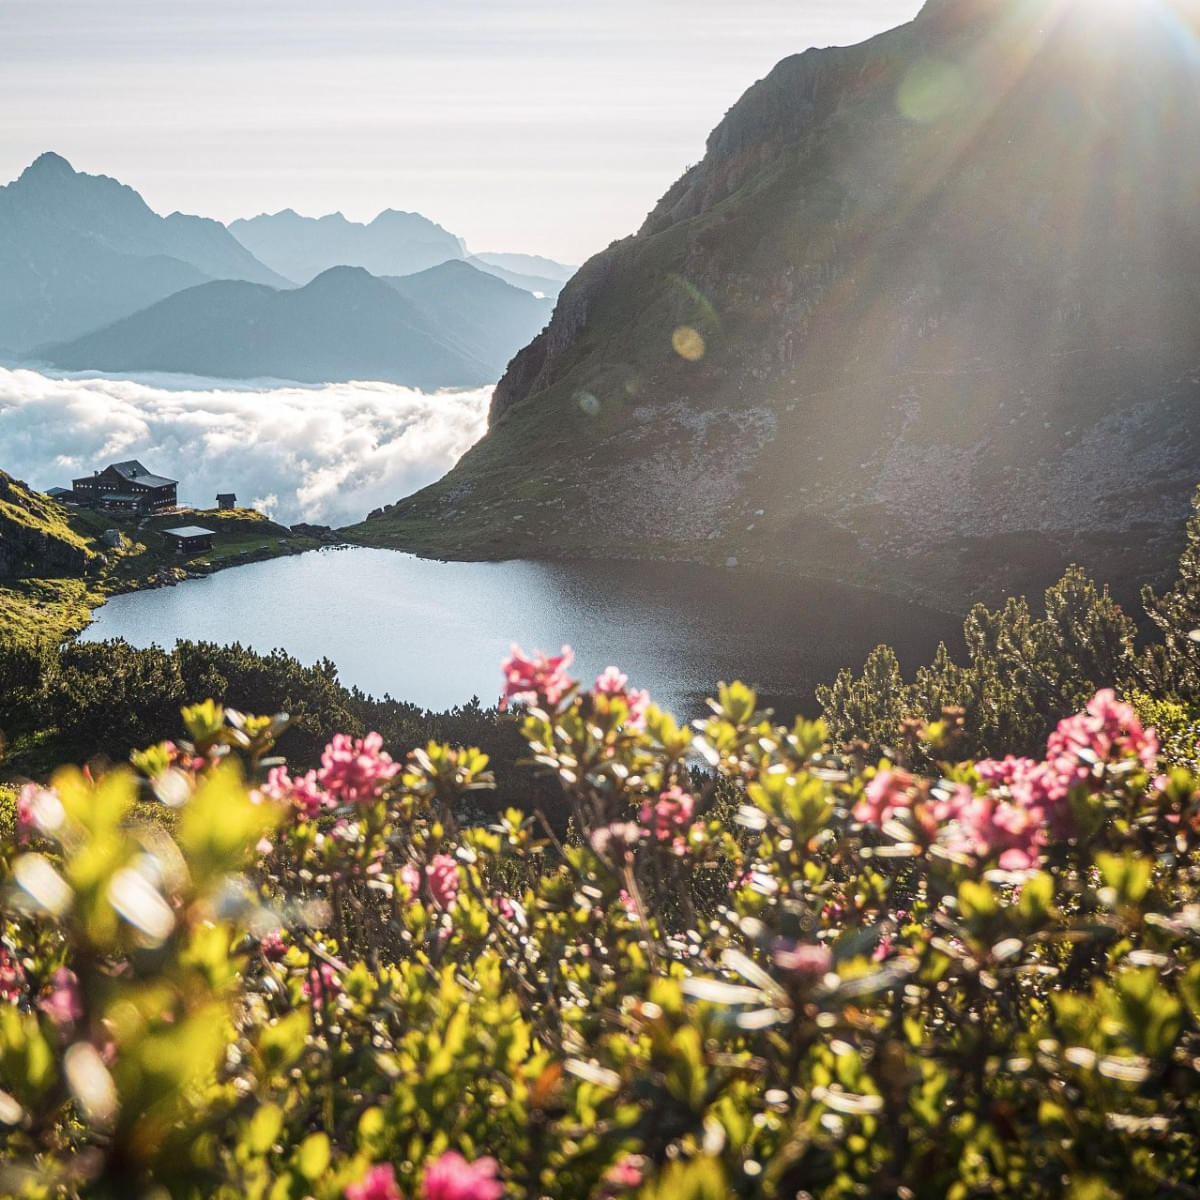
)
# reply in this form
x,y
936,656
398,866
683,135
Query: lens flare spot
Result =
x,y
930,89
688,343
587,403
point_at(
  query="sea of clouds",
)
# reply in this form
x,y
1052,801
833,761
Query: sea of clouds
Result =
x,y
327,454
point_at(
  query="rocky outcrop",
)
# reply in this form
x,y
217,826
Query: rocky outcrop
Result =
x,y
926,316
320,533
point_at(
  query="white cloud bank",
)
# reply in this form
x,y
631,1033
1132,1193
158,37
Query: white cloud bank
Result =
x,y
327,454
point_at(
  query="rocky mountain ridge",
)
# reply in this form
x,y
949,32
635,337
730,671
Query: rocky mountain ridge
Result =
x,y
925,317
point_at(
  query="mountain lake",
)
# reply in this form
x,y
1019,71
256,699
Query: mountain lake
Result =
x,y
434,633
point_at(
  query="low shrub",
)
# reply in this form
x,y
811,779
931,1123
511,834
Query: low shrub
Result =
x,y
789,973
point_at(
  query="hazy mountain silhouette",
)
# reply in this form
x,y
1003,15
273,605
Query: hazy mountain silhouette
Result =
x,y
451,326
78,251
926,316
492,318
394,243
527,264
544,285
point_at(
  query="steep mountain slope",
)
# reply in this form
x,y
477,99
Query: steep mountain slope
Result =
x,y
490,317
394,243
926,316
345,324
35,537
78,251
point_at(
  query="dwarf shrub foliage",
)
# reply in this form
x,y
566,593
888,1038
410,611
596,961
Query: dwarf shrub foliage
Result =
x,y
791,973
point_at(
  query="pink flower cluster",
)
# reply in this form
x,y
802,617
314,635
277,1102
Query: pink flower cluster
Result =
x,y
379,1183
665,817
624,1175
302,792
451,1177
886,794
1026,802
12,977
442,874
1107,731
531,680
272,947
63,1004
806,961
615,683
321,985
356,770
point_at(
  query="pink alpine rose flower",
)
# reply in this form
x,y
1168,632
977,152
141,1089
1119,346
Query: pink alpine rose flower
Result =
x,y
806,960
615,683
272,947
442,874
356,770
619,838
612,682
886,795
666,816
530,680
64,1004
12,977
302,792
1108,730
411,878
379,1183
322,984
40,809
25,800
625,1174
451,1177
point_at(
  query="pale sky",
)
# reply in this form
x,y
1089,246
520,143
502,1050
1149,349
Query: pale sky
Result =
x,y
543,126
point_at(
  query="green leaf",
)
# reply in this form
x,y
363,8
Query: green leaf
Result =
x,y
312,1159
264,1129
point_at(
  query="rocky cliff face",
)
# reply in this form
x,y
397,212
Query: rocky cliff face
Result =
x,y
35,540
926,316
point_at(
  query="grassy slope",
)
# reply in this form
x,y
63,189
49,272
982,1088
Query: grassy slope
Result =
x,y
56,607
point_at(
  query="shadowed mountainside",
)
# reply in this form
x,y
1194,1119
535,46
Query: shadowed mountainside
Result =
x,y
926,317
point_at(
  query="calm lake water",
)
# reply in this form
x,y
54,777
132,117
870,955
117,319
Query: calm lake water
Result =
x,y
434,633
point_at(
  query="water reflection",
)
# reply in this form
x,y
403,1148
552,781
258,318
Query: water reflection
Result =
x,y
434,633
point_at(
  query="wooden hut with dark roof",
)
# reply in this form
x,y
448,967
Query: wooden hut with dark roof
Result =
x,y
126,487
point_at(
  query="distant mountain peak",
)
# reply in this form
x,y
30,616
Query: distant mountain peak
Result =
x,y
48,164
340,274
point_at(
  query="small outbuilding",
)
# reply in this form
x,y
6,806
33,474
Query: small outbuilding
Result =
x,y
60,493
226,501
189,539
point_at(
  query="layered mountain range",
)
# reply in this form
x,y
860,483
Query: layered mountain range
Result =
x,y
449,326
926,316
394,243
77,251
92,279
